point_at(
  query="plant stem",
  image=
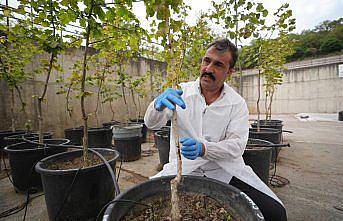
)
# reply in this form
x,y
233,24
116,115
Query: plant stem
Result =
x,y
134,102
23,104
125,102
83,80
67,99
41,99
258,100
12,111
174,183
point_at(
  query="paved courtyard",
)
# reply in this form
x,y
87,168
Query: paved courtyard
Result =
x,y
313,165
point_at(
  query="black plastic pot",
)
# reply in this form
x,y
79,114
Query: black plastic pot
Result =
x,y
165,128
18,138
100,138
23,157
111,123
340,116
268,134
129,148
258,158
97,137
163,145
75,194
4,134
274,124
74,135
159,188
144,128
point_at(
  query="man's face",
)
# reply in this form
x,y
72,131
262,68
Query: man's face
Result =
x,y
215,68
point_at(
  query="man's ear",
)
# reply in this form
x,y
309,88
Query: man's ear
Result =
x,y
230,71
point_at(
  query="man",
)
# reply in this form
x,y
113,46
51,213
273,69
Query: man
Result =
x,y
213,129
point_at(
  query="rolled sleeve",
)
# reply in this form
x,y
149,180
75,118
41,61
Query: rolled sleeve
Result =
x,y
154,119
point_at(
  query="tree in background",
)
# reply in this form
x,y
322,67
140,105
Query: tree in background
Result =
x,y
16,50
240,19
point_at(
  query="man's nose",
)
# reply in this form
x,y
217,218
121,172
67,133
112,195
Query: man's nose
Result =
x,y
209,68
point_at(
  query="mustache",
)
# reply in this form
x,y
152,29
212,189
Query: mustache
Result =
x,y
209,74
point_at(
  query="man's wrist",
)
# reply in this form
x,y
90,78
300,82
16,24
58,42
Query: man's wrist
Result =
x,y
203,149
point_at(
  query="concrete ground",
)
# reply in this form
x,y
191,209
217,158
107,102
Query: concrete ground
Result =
x,y
313,165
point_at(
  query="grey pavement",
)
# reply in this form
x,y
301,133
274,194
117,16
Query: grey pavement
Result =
x,y
313,165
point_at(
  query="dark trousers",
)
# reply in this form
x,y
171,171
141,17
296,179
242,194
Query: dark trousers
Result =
x,y
271,209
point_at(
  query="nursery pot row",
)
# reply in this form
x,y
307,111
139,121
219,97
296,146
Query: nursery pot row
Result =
x,y
24,156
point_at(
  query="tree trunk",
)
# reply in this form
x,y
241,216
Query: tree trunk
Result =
x,y
258,100
83,81
12,111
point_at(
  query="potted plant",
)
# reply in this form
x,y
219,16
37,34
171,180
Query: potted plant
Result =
x,y
16,50
116,52
23,156
270,59
78,184
137,86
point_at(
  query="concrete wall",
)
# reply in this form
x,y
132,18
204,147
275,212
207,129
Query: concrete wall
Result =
x,y
55,115
308,86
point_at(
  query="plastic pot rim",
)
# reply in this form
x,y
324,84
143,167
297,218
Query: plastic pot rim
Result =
x,y
42,170
9,150
264,130
30,135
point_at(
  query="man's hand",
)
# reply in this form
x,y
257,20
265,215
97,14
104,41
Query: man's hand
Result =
x,y
169,99
191,149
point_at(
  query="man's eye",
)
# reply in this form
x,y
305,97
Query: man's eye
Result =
x,y
206,60
219,65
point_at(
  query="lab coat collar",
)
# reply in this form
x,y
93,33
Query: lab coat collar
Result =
x,y
229,95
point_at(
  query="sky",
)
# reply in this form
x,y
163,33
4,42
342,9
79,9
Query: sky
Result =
x,y
308,13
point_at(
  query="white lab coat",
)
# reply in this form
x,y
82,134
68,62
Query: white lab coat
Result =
x,y
222,126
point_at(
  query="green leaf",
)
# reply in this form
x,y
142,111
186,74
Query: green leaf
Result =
x,y
6,12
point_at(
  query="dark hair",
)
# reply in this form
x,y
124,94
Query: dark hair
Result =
x,y
224,45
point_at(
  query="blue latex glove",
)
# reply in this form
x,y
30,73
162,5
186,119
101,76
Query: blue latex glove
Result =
x,y
191,149
169,99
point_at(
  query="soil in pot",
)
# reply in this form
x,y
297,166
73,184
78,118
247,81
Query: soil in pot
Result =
x,y
196,207
78,162
76,194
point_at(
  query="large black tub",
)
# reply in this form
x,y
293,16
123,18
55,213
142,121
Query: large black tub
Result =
x,y
153,191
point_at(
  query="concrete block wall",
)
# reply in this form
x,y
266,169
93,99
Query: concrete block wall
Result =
x,y
308,86
55,115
